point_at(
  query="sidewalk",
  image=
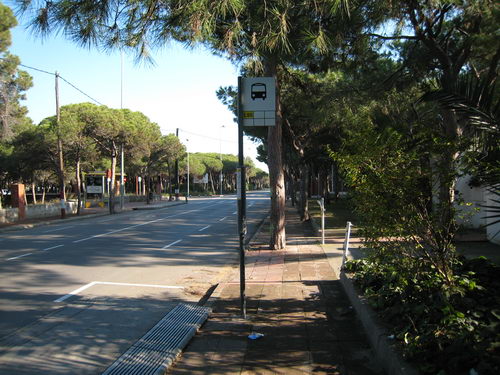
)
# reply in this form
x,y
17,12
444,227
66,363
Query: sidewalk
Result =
x,y
295,299
88,212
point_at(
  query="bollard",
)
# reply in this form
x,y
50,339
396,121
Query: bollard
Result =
x,y
346,241
322,207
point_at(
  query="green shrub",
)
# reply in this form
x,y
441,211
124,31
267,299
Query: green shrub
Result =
x,y
441,328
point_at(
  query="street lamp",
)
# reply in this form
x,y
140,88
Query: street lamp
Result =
x,y
220,156
187,193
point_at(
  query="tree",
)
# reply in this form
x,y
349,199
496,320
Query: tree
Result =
x,y
13,82
109,130
165,150
213,166
29,161
446,38
77,145
260,34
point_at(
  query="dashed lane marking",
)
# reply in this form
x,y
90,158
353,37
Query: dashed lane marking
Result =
x,y
58,229
53,247
76,291
20,256
170,244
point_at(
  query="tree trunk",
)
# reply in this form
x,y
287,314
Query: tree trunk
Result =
x,y
292,191
275,163
148,189
211,182
324,182
335,181
33,192
78,188
448,168
304,203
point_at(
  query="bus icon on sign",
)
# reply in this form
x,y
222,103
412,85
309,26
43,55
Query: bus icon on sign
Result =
x,y
258,90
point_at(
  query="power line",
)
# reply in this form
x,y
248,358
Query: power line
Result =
x,y
64,79
207,136
39,70
95,100
76,88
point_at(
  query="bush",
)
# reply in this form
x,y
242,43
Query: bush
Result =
x,y
441,328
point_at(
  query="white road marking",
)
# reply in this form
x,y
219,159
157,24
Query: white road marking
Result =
x,y
20,256
55,230
202,229
170,244
103,221
53,247
223,218
134,226
130,227
76,291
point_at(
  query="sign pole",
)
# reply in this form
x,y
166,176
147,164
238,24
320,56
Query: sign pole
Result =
x,y
256,107
241,203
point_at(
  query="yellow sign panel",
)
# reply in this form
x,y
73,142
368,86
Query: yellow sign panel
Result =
x,y
247,114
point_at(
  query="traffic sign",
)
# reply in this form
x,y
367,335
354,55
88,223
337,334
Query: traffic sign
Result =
x,y
258,101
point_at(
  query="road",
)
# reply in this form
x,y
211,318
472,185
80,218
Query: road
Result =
x,y
75,295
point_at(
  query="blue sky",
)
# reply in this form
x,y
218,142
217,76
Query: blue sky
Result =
x,y
177,92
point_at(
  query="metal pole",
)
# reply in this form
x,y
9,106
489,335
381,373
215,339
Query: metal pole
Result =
x,y
187,179
241,203
177,171
323,221
122,164
346,241
122,179
220,156
60,152
121,79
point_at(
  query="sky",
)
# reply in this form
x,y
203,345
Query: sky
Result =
x,y
178,91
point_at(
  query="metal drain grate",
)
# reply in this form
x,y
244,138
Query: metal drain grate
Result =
x,y
158,348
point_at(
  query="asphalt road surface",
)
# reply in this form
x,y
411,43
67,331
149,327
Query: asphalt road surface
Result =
x,y
75,295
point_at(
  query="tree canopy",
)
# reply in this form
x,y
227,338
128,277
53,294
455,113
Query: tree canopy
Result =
x,y
13,82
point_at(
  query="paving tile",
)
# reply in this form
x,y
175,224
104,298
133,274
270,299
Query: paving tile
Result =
x,y
295,299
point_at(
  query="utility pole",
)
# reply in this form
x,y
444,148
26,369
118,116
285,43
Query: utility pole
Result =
x,y
60,151
177,171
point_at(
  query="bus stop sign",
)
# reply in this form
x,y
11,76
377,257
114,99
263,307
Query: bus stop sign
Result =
x,y
258,101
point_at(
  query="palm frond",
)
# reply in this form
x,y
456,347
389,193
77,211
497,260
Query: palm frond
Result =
x,y
473,100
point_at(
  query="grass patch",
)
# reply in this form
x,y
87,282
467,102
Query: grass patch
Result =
x,y
338,212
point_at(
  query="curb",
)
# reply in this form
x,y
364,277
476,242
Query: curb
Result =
x,y
147,208
215,295
316,228
385,351
17,227
259,228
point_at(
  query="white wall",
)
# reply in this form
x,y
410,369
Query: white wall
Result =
x,y
470,214
492,231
